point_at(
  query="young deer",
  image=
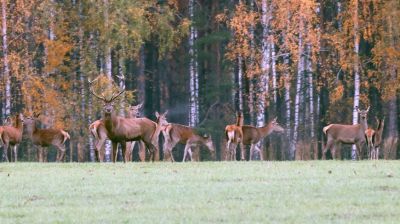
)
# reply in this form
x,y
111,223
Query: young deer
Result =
x,y
46,137
370,139
177,133
234,136
378,138
12,136
252,135
122,130
346,134
99,132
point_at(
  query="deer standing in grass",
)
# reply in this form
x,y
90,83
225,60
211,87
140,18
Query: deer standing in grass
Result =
x,y
122,130
12,136
46,137
99,132
377,138
370,139
177,133
346,134
234,136
252,135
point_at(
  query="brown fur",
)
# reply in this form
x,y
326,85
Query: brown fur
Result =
x,y
346,134
234,135
252,135
182,134
12,136
378,138
46,137
370,139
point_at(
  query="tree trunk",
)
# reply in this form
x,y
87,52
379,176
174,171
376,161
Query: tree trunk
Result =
x,y
311,99
356,72
108,72
193,69
287,103
6,71
297,104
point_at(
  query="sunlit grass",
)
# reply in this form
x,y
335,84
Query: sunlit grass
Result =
x,y
230,192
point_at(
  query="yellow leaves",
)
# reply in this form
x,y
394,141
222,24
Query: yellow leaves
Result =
x,y
337,93
56,53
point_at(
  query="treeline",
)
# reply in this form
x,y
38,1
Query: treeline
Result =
x,y
307,62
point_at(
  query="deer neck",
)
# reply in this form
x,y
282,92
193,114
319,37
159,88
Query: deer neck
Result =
x,y
109,119
364,124
31,128
266,130
19,124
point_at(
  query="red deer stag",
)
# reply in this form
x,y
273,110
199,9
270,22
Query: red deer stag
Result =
x,y
378,137
234,136
346,134
370,139
122,130
252,135
12,136
99,132
177,133
46,137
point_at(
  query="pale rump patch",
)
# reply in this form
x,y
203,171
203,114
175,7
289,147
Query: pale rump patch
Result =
x,y
66,135
325,129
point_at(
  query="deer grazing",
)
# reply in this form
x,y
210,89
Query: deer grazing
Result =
x,y
234,136
122,130
99,132
378,137
252,135
346,134
46,137
177,133
12,136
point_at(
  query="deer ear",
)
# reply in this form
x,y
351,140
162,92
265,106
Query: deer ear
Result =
x,y
206,136
368,108
165,113
157,114
139,105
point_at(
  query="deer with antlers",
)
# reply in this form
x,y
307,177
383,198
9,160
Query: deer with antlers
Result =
x,y
12,136
99,132
346,134
177,133
252,135
121,130
46,137
234,136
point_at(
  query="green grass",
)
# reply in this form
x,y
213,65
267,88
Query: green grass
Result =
x,y
207,192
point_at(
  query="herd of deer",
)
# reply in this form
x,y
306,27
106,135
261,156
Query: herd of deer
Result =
x,y
126,130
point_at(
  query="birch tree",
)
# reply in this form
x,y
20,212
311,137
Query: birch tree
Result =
x,y
193,71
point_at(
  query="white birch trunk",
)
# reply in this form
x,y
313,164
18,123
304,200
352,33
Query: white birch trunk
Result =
x,y
288,130
108,72
310,92
240,83
300,71
356,72
194,82
274,76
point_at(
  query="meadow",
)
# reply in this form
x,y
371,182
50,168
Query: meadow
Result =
x,y
201,192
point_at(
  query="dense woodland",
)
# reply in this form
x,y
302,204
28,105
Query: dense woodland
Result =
x,y
307,62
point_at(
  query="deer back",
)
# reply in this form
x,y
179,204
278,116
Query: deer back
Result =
x,y
345,133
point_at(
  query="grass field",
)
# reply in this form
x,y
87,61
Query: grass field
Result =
x,y
207,192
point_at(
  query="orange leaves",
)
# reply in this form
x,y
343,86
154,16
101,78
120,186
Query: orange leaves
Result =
x,y
337,93
56,53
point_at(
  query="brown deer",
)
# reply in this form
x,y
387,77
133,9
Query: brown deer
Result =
x,y
234,136
370,139
346,134
378,137
12,136
252,135
99,132
46,137
177,133
122,130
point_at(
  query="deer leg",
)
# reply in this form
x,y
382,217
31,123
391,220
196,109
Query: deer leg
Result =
x,y
251,151
190,154
228,150
15,153
114,151
242,151
358,151
123,148
142,151
327,147
61,150
187,146
6,152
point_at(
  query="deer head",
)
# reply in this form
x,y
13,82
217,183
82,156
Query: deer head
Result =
x,y
162,118
363,113
134,110
276,127
108,106
209,143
